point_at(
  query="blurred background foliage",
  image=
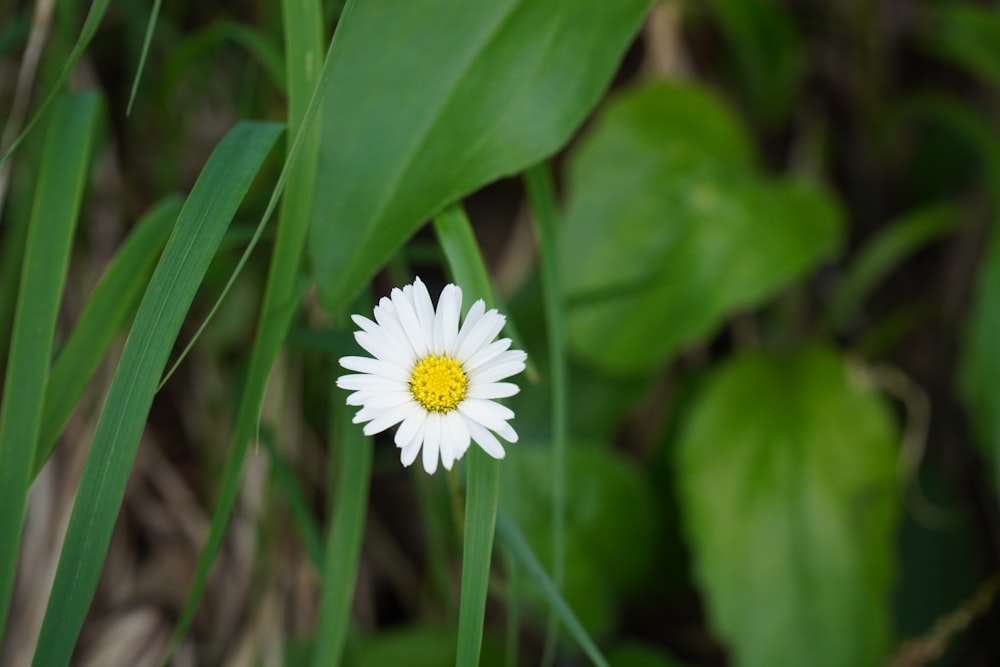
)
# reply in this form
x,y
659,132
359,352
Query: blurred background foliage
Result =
x,y
781,281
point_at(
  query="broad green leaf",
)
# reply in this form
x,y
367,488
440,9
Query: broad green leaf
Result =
x,y
203,220
62,175
670,228
496,87
787,478
612,505
108,310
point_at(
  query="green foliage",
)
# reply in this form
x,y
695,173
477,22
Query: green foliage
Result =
x,y
670,228
497,86
788,461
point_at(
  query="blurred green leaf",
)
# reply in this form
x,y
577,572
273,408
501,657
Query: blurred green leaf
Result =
x,y
967,35
417,646
496,87
768,57
787,476
611,505
670,228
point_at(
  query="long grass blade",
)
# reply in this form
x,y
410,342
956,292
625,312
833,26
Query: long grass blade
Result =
x,y
541,195
298,506
511,538
153,15
112,305
303,49
202,222
343,546
90,25
61,178
483,479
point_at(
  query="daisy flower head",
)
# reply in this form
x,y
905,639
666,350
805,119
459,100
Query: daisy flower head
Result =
x,y
437,380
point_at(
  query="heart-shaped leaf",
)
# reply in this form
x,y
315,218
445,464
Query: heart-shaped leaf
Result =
x,y
787,480
670,228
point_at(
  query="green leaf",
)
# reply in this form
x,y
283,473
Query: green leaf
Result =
x,y
113,303
59,192
787,477
199,229
612,506
670,228
497,87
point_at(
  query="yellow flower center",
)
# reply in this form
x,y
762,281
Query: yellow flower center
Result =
x,y
438,383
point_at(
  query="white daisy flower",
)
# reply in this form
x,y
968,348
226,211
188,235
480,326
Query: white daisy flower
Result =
x,y
434,379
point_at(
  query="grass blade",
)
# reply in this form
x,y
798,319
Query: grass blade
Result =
x,y
93,20
483,480
61,178
511,538
200,226
113,303
540,192
343,547
153,15
281,296
481,497
302,515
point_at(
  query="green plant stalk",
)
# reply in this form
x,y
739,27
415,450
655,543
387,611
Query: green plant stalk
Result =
x,y
210,207
482,497
61,178
110,307
153,15
347,522
483,479
540,193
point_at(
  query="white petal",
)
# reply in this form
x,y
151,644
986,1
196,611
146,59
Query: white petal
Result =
x,y
492,390
411,325
380,400
447,444
357,382
380,346
486,440
510,363
411,427
375,367
390,417
456,424
487,354
446,321
425,309
471,318
410,451
486,413
432,437
485,330
388,320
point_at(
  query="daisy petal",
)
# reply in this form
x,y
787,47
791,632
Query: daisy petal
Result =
x,y
492,390
409,453
410,428
456,423
369,382
375,367
485,330
389,417
447,444
432,438
425,309
486,413
475,313
486,440
501,368
446,320
408,319
487,354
